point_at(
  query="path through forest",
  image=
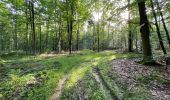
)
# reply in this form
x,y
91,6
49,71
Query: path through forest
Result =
x,y
85,75
59,88
131,80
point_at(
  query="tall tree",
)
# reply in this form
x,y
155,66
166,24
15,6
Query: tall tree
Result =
x,y
32,18
157,29
130,40
163,22
145,32
77,37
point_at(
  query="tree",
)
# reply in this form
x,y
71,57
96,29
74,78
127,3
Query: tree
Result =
x,y
32,18
163,22
157,28
130,40
145,32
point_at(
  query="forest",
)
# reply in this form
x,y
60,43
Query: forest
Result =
x,y
84,49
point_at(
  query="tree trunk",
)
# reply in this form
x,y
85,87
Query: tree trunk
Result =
x,y
136,41
77,44
130,40
26,35
163,22
145,32
98,38
15,30
108,35
70,37
47,31
59,38
157,29
33,28
94,37
40,37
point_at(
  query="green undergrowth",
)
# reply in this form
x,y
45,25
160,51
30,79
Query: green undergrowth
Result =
x,y
36,77
86,88
81,82
120,89
153,79
143,83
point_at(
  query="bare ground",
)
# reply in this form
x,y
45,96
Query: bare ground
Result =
x,y
127,71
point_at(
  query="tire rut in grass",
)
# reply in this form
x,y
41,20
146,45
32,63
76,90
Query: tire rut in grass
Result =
x,y
108,92
59,88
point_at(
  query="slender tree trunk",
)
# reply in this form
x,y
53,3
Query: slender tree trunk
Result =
x,y
56,16
108,35
15,30
69,35
163,22
27,25
145,32
157,29
136,41
98,38
77,44
59,38
130,40
40,38
70,40
33,28
71,29
56,36
94,37
30,19
47,32
113,40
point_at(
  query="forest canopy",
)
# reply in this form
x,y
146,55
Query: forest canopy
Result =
x,y
37,26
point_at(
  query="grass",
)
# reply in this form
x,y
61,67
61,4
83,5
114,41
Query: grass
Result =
x,y
35,78
88,85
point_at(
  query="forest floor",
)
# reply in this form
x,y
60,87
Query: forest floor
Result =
x,y
85,75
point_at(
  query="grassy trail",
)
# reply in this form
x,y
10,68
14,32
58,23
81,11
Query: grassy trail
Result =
x,y
36,78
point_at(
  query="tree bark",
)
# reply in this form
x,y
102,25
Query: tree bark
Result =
x,y
94,37
163,22
98,38
47,32
27,26
70,24
15,30
33,27
130,40
40,39
145,32
77,44
157,29
59,38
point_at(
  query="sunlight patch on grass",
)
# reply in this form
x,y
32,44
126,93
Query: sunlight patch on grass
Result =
x,y
17,80
112,57
76,75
